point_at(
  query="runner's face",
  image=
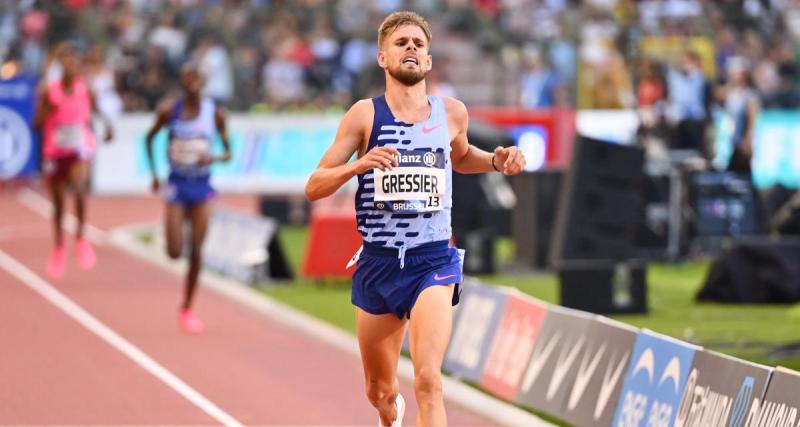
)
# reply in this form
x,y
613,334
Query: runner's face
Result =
x,y
191,81
404,55
71,63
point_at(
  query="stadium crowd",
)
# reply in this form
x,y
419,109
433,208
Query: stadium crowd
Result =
x,y
673,55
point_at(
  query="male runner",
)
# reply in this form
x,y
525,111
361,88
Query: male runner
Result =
x,y
193,123
64,113
408,143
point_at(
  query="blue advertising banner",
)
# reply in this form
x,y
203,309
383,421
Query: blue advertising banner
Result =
x,y
776,148
474,328
19,151
655,381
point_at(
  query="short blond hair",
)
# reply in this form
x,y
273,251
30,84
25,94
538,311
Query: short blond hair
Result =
x,y
397,20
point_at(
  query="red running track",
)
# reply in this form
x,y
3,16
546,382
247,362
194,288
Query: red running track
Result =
x,y
53,370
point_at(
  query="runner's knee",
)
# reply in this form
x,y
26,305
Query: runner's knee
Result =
x,y
174,250
378,392
428,382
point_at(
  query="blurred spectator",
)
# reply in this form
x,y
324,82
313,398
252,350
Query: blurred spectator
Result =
x,y
215,66
437,82
741,105
688,101
603,80
283,76
540,87
102,82
651,88
148,82
246,64
787,96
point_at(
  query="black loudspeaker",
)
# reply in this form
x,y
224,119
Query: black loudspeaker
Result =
x,y
285,209
604,287
601,206
480,200
479,247
277,267
534,218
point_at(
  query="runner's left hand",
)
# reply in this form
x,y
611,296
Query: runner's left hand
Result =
x,y
109,135
509,160
205,160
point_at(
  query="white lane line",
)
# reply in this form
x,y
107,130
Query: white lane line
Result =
x,y
122,345
42,207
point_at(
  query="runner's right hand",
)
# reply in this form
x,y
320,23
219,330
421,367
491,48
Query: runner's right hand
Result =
x,y
155,185
383,158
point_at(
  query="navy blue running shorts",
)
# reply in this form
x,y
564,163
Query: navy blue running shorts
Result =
x,y
381,286
188,190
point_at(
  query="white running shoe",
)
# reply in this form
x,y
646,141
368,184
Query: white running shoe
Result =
x,y
401,410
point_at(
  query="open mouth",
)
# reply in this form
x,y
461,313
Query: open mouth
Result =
x,y
410,60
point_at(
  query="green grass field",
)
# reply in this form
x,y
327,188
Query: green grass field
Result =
x,y
746,331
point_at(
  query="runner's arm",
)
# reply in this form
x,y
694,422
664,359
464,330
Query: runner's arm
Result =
x,y
334,170
468,158
162,116
222,129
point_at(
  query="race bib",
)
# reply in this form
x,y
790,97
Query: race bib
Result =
x,y
418,184
188,151
70,137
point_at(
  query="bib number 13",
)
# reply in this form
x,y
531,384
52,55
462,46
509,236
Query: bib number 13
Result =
x,y
433,201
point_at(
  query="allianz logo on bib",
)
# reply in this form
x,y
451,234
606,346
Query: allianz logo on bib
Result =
x,y
405,159
421,157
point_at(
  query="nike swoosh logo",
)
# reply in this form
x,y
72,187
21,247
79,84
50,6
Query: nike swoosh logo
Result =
x,y
561,370
538,361
429,130
437,277
585,374
608,386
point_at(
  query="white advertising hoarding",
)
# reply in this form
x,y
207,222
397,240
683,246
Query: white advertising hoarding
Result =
x,y
272,154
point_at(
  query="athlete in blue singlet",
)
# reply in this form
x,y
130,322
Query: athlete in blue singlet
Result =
x,y
408,144
194,123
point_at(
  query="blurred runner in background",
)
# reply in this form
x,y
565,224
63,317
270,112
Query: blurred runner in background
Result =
x,y
193,123
64,114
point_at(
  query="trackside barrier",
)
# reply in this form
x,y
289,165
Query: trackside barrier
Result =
x,y
473,330
513,344
561,338
721,388
781,405
592,371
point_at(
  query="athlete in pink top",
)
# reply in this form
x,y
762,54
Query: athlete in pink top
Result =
x,y
64,113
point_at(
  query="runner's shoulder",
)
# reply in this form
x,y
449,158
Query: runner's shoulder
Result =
x,y
165,106
361,113
455,109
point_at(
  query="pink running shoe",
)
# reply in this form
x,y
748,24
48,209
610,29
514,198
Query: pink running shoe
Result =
x,y
57,262
86,256
189,322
